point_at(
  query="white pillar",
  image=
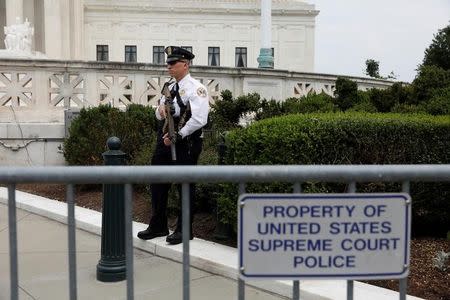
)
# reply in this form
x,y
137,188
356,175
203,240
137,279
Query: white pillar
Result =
x,y
77,29
309,48
266,24
265,58
66,30
53,31
14,9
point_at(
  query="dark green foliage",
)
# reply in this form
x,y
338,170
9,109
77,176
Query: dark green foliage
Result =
x,y
402,93
268,109
439,104
428,79
404,108
207,193
226,112
346,93
144,155
223,112
344,138
90,130
438,53
373,68
340,139
311,103
383,100
306,104
364,104
82,146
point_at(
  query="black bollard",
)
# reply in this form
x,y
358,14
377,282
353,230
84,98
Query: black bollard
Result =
x,y
112,264
222,231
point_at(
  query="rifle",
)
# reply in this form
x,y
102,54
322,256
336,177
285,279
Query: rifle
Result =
x,y
169,125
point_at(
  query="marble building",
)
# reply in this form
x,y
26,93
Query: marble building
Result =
x,y
220,32
111,52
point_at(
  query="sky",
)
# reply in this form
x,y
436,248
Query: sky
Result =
x,y
393,32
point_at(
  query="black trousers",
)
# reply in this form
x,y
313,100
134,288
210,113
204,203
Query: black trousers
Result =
x,y
187,152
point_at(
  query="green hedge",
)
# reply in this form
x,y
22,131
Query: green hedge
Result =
x,y
89,132
348,138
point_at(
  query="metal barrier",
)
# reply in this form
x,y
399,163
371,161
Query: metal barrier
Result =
x,y
350,174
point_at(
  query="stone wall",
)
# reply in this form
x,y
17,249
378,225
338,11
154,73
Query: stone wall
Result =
x,y
34,94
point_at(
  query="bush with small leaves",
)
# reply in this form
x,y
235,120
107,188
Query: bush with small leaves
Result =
x,y
349,138
90,130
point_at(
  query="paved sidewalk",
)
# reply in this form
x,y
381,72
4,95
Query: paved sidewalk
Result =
x,y
43,271
43,267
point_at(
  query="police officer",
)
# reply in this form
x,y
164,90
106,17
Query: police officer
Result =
x,y
190,114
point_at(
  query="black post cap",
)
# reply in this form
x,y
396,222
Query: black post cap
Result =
x,y
113,143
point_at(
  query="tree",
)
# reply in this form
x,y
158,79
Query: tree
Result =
x,y
392,76
438,53
373,68
428,79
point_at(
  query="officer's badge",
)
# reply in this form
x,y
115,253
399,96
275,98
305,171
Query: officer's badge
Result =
x,y
182,92
169,50
201,92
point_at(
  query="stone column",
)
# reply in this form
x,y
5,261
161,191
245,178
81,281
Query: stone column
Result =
x,y
66,29
309,48
265,58
14,9
53,30
77,29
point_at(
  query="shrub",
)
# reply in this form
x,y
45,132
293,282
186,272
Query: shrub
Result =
x,y
429,79
90,130
226,112
306,104
268,109
364,104
404,108
402,93
316,103
383,100
439,104
346,93
349,138
206,193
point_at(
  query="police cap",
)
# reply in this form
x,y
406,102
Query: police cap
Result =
x,y
177,53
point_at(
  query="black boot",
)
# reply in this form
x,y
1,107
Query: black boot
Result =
x,y
177,238
149,234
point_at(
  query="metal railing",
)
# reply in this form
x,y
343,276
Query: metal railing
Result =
x,y
350,174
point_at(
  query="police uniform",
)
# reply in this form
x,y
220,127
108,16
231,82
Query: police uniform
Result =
x,y
191,103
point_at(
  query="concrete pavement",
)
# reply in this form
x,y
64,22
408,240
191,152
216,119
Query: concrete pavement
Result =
x,y
158,272
43,267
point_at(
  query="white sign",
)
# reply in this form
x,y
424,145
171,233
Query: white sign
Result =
x,y
313,236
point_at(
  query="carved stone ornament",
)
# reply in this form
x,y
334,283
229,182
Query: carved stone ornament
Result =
x,y
18,37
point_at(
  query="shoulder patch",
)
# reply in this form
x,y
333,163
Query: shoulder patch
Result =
x,y
201,92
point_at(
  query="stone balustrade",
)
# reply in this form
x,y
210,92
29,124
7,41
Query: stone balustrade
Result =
x,y
35,93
